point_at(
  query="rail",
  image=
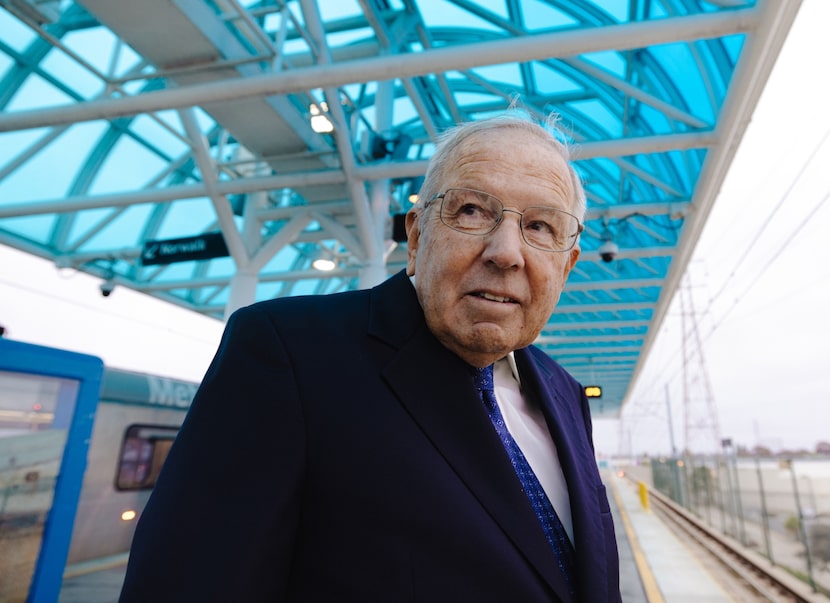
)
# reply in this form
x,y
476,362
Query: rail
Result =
x,y
755,572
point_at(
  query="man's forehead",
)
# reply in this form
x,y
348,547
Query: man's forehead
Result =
x,y
486,143
481,153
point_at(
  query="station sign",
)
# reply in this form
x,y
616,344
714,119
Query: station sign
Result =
x,y
201,247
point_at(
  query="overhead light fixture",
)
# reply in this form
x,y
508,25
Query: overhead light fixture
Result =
x,y
415,185
64,266
320,122
323,261
324,264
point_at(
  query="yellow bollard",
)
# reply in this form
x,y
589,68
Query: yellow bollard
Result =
x,y
643,495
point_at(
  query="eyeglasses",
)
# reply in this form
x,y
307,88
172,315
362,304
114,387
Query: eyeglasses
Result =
x,y
478,213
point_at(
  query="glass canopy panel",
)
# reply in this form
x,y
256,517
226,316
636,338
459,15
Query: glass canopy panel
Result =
x,y
162,132
538,15
103,51
438,14
103,229
127,166
646,116
81,82
36,93
14,144
15,34
283,260
219,267
49,173
34,228
187,217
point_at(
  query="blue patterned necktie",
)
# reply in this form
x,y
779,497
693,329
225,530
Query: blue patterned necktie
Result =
x,y
554,530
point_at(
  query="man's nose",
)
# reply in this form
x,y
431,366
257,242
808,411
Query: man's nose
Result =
x,y
505,245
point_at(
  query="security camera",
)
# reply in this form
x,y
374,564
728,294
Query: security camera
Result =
x,y
608,251
106,287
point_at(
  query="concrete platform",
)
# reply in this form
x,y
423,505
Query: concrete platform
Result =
x,y
668,571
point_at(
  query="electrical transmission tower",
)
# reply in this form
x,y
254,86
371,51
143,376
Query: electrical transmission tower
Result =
x,y
701,429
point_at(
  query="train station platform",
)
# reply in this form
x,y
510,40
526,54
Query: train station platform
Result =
x,y
655,567
665,567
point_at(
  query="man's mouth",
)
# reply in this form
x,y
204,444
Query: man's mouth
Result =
x,y
495,298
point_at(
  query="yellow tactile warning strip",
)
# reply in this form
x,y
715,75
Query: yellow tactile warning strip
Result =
x,y
650,587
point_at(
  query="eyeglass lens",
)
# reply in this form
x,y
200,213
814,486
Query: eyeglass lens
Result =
x,y
475,212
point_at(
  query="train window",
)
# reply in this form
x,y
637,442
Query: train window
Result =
x,y
142,454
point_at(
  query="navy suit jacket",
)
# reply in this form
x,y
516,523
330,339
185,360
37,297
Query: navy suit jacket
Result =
x,y
336,451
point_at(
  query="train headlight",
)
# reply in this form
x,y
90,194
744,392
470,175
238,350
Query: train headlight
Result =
x,y
128,515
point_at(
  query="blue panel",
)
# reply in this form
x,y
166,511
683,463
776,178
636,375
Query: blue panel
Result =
x,y
28,182
78,413
36,228
15,34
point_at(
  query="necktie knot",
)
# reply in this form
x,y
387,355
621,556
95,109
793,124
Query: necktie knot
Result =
x,y
483,378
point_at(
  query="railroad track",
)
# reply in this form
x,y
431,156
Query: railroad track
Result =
x,y
751,576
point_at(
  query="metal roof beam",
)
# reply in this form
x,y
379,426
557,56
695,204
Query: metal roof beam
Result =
x,y
674,208
629,90
296,275
172,193
356,190
556,340
614,284
558,327
207,166
377,171
594,351
585,308
751,73
516,49
629,253
595,359
338,231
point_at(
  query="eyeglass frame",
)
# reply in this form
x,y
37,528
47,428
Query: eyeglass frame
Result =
x,y
442,196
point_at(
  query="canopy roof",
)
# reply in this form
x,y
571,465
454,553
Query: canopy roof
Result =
x,y
299,129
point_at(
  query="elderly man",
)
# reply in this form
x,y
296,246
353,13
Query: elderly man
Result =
x,y
404,443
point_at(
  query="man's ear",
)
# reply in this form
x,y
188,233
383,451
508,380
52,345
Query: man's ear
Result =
x,y
413,236
572,258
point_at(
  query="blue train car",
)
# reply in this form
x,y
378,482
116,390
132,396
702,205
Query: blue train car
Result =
x,y
138,417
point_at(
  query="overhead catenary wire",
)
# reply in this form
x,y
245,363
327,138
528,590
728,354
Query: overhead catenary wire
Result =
x,y
660,376
757,237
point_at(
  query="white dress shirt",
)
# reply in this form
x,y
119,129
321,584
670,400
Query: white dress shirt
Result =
x,y
527,425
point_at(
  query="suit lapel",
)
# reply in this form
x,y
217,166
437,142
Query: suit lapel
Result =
x,y
434,386
560,403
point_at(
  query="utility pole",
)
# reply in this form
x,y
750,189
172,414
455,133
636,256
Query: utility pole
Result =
x,y
671,426
701,430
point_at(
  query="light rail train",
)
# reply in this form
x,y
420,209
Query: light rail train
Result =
x,y
138,417
133,425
